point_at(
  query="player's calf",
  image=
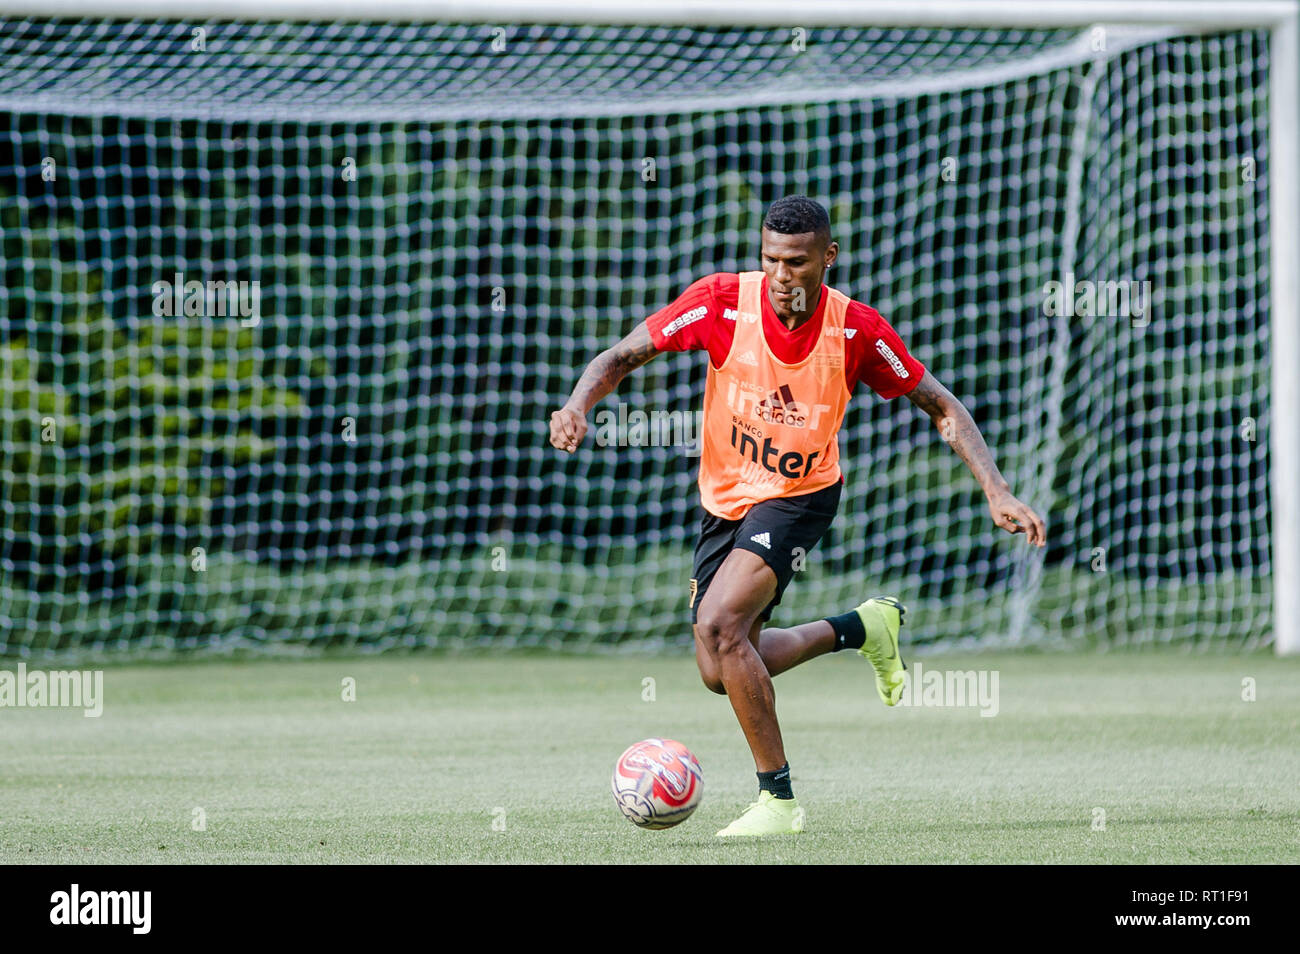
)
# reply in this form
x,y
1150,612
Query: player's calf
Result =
x,y
713,682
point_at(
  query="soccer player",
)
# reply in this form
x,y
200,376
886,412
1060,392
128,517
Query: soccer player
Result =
x,y
785,353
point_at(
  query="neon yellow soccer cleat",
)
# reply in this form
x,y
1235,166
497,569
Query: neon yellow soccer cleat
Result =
x,y
882,617
767,816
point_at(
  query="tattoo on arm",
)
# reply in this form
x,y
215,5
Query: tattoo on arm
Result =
x,y
610,367
928,395
958,428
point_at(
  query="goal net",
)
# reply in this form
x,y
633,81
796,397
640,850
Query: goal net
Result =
x,y
286,307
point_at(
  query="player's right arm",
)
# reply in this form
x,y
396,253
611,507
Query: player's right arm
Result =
x,y
607,369
694,322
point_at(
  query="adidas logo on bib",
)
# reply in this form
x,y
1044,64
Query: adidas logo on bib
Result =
x,y
748,358
763,539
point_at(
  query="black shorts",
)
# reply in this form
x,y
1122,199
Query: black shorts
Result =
x,y
782,531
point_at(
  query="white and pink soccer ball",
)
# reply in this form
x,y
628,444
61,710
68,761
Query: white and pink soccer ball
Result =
x,y
657,783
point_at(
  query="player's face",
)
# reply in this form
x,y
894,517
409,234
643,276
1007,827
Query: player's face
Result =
x,y
795,266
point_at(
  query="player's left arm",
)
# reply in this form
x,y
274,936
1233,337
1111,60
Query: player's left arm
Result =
x,y
958,429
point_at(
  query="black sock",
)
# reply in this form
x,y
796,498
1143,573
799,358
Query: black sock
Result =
x,y
849,633
778,782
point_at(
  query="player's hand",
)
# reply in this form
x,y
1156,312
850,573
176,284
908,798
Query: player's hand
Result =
x,y
1015,517
568,428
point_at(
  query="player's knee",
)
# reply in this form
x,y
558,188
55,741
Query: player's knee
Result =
x,y
707,664
722,631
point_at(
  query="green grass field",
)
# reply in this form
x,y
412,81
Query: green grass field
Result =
x,y
435,749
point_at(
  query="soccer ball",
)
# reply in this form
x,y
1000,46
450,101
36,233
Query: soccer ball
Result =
x,y
657,783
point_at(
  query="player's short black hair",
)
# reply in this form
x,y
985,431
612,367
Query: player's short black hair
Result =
x,y
797,214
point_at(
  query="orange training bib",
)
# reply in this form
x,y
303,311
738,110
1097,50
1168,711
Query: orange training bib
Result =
x,y
769,427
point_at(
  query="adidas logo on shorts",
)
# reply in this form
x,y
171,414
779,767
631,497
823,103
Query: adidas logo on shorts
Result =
x,y
763,539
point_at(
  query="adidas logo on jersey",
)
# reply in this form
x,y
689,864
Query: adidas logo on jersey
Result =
x,y
731,314
763,539
779,407
846,332
748,358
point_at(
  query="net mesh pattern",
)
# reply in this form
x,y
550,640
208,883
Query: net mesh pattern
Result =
x,y
428,239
